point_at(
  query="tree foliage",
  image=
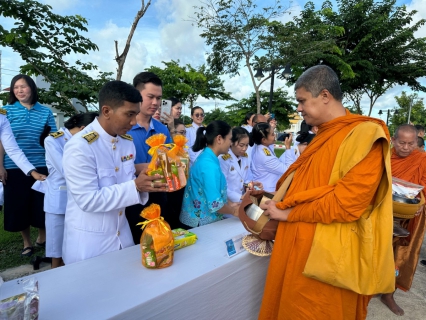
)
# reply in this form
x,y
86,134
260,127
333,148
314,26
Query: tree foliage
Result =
x,y
45,40
234,30
379,45
241,33
399,114
187,83
282,106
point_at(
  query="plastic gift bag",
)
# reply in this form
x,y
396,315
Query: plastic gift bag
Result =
x,y
169,160
157,242
23,306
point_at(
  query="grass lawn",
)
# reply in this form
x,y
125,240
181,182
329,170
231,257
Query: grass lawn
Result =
x,y
11,245
279,152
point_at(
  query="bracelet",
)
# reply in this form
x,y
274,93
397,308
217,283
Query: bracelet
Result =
x,y
136,186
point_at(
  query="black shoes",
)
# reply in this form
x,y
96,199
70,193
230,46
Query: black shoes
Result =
x,y
423,262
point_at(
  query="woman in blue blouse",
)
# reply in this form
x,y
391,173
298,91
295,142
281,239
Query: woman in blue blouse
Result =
x,y
23,207
205,198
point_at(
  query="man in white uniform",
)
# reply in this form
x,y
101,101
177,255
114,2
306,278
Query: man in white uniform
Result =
x,y
99,170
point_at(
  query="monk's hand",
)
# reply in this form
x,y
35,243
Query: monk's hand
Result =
x,y
274,213
419,211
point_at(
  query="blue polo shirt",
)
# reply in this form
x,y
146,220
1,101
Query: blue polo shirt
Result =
x,y
27,126
140,135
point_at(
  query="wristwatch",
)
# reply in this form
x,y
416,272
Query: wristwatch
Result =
x,y
29,173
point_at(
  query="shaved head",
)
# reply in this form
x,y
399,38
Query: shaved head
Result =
x,y
406,128
405,140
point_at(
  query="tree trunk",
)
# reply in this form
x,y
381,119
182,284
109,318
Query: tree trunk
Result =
x,y
121,58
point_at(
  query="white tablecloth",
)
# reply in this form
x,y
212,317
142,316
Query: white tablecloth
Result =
x,y
202,283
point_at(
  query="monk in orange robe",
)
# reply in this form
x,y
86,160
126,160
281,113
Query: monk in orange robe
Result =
x,y
409,164
288,294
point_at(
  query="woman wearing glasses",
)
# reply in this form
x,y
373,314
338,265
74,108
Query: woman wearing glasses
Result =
x,y
265,166
197,115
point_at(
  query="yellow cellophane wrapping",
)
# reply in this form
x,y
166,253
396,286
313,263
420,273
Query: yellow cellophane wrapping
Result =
x,y
157,239
169,160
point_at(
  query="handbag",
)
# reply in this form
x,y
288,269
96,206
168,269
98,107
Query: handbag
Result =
x,y
357,255
262,227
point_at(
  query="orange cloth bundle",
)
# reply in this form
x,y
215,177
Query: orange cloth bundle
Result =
x,y
169,160
157,244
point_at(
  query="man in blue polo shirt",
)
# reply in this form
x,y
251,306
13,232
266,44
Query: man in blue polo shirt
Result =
x,y
151,88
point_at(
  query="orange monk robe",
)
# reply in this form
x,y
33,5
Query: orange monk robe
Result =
x,y
407,250
288,294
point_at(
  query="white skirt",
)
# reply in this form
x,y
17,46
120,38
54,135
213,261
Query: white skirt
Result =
x,y
54,234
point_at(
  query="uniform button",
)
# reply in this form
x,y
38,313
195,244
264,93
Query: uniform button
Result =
x,y
120,213
118,233
116,169
241,180
113,140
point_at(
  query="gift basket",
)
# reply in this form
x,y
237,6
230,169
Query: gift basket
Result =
x,y
157,245
169,160
407,198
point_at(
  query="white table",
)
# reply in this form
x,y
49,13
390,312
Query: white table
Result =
x,y
202,283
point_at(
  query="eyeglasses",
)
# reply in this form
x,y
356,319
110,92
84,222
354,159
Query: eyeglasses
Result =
x,y
198,115
182,132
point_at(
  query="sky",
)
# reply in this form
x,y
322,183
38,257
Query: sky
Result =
x,y
163,34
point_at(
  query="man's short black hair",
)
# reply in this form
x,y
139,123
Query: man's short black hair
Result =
x,y
420,142
115,93
145,77
419,127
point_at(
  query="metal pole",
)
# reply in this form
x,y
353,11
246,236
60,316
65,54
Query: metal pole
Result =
x,y
409,111
271,92
387,118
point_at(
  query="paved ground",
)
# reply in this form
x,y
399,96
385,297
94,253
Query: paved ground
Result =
x,y
413,302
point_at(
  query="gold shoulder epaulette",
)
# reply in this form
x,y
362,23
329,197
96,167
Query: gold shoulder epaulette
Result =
x,y
245,155
56,134
127,137
267,151
3,111
91,136
188,125
226,156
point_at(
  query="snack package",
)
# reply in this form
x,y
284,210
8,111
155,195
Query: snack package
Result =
x,y
22,306
169,160
183,238
156,240
405,189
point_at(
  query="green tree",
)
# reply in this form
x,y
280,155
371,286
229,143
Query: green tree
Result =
x,y
379,45
404,101
242,33
282,106
45,40
234,30
187,83
217,114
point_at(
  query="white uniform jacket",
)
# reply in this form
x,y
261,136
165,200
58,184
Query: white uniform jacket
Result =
x,y
266,167
235,175
191,135
55,196
290,156
11,147
99,171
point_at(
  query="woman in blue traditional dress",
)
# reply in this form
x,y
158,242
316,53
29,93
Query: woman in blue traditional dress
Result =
x,y
205,198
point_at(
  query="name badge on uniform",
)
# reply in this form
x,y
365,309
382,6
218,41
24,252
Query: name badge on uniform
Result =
x,y
126,158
